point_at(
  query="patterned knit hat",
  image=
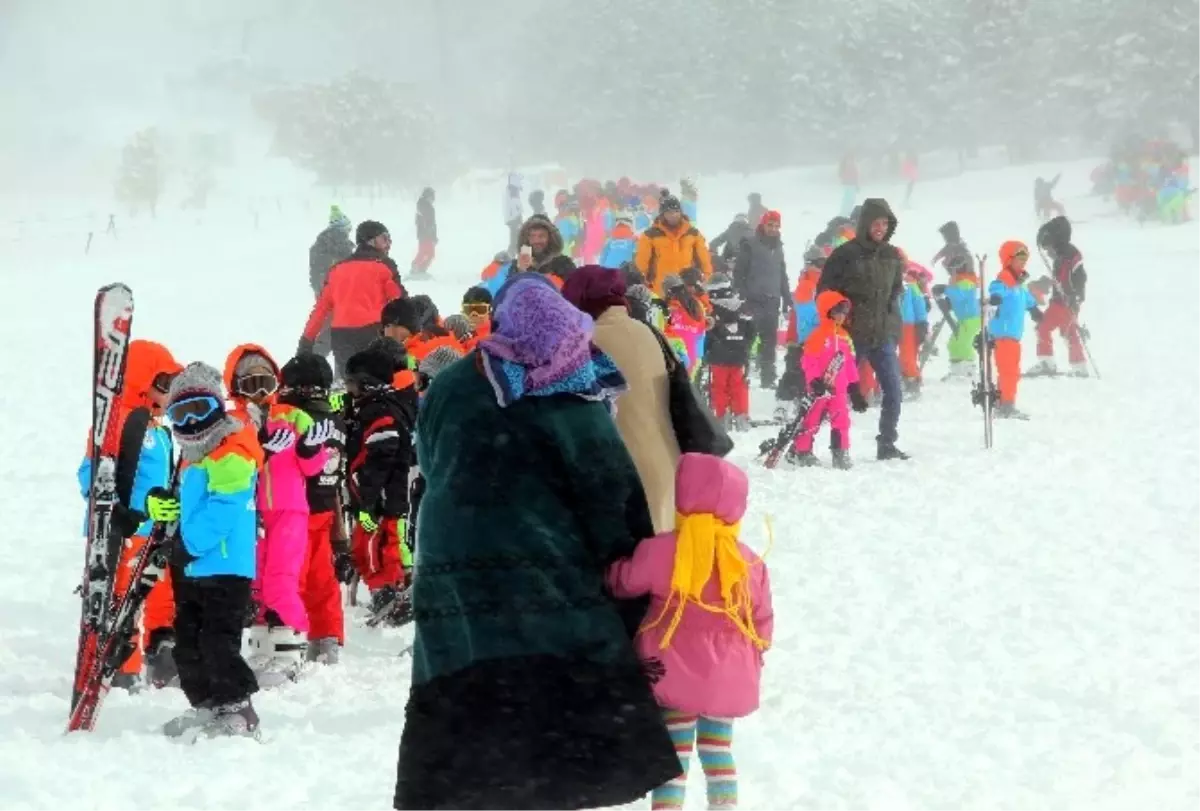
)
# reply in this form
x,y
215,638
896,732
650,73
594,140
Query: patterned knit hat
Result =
x,y
437,360
338,220
458,325
197,380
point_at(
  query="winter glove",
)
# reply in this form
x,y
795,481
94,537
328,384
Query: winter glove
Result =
x,y
343,564
921,330
818,387
279,442
368,523
304,347
314,439
944,305
161,506
337,400
1036,314
857,401
126,521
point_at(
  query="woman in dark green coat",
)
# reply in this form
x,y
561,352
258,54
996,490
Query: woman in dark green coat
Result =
x,y
526,690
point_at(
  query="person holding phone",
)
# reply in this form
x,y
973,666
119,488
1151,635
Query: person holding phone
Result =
x,y
541,247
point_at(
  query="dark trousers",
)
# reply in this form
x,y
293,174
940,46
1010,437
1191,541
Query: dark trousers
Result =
x,y
766,326
886,365
210,613
348,341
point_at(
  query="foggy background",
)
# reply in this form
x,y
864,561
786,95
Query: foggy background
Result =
x,y
402,93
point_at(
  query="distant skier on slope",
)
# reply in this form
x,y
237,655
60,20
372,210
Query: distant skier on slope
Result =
x,y
331,246
427,234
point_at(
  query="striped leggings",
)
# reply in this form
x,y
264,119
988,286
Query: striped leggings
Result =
x,y
713,737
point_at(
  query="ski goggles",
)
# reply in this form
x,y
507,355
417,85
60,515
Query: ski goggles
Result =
x,y
261,385
194,410
841,308
162,382
479,309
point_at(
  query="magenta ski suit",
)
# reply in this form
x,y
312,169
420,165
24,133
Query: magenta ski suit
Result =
x,y
595,234
283,505
820,349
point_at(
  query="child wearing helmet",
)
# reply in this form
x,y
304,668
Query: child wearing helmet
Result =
x,y
727,353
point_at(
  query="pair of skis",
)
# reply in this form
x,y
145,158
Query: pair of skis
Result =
x,y
108,620
772,449
984,393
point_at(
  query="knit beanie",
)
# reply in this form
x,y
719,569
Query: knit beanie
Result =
x,y
338,220
367,230
307,371
458,325
371,367
196,439
437,360
594,289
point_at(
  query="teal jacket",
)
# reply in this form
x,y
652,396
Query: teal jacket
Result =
x,y
517,528
218,522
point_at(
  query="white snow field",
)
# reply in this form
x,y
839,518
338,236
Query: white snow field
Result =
x,y
972,629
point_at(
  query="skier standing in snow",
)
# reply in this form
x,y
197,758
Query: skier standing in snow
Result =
x,y
1070,289
959,300
379,447
711,662
331,246
306,383
517,640
760,277
727,353
293,449
477,307
212,563
354,295
754,212
670,246
427,236
1012,300
822,347
870,272
144,462
1044,204
914,328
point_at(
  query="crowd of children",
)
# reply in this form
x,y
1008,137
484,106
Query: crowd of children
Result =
x,y
1148,178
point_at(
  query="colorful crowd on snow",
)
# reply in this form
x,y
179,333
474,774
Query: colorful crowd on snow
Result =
x,y
514,478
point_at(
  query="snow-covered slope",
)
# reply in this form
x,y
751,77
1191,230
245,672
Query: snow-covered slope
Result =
x,y
970,629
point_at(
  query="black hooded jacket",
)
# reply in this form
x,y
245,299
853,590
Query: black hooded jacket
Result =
x,y
426,218
871,275
1068,269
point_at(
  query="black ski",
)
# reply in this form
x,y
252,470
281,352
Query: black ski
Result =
x,y
984,393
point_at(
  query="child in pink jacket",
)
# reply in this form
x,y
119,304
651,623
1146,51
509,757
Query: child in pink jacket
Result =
x,y
825,347
294,447
710,620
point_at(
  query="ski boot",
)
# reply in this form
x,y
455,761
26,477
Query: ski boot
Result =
x,y
287,648
1043,368
391,607
741,423
841,459
260,653
1008,411
1079,370
324,651
887,451
912,388
235,719
799,460
727,423
129,682
193,718
160,665
960,370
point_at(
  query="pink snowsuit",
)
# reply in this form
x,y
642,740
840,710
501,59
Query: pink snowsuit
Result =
x,y
283,504
711,668
595,235
835,404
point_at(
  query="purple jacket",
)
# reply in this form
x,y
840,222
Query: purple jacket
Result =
x,y
711,668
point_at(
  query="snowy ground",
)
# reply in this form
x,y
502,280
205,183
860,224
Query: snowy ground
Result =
x,y
1011,629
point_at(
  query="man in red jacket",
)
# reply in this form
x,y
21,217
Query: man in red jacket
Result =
x,y
354,295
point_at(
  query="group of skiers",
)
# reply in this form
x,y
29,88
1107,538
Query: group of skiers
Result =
x,y
1148,178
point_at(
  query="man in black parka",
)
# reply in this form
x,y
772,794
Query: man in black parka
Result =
x,y
869,271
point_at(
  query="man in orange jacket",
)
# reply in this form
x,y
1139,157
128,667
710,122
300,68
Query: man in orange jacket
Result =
x,y
354,295
670,246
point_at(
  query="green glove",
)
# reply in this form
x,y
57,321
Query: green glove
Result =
x,y
161,506
406,555
337,400
367,522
